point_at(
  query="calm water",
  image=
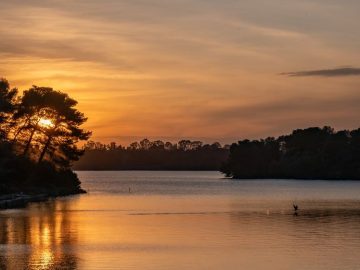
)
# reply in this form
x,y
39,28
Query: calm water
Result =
x,y
187,220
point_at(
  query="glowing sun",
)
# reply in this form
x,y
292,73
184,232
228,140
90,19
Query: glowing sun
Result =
x,y
47,123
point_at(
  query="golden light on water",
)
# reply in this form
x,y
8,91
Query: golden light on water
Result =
x,y
102,231
45,259
45,230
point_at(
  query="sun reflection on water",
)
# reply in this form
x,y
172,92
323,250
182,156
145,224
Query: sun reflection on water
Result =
x,y
41,236
44,260
244,230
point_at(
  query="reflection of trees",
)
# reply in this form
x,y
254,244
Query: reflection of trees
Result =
x,y
40,238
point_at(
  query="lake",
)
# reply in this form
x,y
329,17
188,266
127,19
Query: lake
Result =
x,y
187,220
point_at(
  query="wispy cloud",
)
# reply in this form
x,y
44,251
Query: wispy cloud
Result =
x,y
336,72
187,68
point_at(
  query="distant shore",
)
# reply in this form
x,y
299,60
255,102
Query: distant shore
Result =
x,y
224,176
150,170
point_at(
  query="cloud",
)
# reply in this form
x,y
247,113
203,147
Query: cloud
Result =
x,y
186,68
336,72
286,108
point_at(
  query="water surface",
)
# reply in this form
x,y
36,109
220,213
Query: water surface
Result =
x,y
187,220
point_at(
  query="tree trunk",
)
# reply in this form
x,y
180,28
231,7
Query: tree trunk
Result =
x,y
46,146
27,147
21,129
50,136
18,133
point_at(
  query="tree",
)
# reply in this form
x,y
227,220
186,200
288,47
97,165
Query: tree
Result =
x,y
34,106
134,146
157,145
49,117
145,144
196,145
63,132
216,145
169,146
90,145
184,145
159,156
7,106
312,153
112,146
39,135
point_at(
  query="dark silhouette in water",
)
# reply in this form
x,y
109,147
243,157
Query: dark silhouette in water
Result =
x,y
296,207
312,153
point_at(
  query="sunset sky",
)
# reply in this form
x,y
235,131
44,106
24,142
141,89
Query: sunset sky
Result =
x,y
199,69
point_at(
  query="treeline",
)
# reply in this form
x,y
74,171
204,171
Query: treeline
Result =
x,y
312,153
153,155
39,133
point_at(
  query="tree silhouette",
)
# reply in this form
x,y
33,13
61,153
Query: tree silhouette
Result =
x,y
60,137
39,135
152,155
312,153
7,106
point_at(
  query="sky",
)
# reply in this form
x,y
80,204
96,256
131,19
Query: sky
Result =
x,y
198,69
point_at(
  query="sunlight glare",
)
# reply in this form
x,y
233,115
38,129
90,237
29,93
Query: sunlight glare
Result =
x,y
46,123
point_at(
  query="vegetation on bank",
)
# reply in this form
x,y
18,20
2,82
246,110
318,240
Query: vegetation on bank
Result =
x,y
39,133
312,153
153,155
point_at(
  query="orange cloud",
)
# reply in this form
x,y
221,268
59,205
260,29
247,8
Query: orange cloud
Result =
x,y
187,68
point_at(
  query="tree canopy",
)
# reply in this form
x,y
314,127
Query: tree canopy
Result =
x,y
7,106
153,155
312,153
41,129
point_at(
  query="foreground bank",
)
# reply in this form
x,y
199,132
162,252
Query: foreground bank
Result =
x,y
21,200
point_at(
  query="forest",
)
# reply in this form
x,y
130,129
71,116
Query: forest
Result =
x,y
312,153
153,155
39,134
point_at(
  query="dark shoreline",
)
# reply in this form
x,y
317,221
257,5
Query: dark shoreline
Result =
x,y
21,200
144,170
